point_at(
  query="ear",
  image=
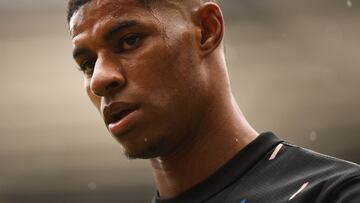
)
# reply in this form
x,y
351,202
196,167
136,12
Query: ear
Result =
x,y
212,27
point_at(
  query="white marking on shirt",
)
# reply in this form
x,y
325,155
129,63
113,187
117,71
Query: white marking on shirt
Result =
x,y
301,189
276,151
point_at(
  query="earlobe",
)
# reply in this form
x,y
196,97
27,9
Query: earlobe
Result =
x,y
212,27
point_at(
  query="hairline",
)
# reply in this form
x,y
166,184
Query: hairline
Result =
x,y
144,3
72,12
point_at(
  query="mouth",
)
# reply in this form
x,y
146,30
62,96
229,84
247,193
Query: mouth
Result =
x,y
119,116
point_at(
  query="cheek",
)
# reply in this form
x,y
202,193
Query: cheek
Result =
x,y
164,71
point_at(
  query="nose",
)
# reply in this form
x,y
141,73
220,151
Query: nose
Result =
x,y
107,76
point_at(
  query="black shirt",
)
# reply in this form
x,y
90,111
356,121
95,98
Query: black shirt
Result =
x,y
268,170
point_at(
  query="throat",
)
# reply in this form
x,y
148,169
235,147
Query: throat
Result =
x,y
178,174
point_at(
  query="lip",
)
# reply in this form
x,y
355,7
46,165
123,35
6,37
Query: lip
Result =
x,y
119,116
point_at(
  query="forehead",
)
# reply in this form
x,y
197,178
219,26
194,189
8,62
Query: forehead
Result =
x,y
96,12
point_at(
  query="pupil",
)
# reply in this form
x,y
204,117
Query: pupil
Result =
x,y
131,40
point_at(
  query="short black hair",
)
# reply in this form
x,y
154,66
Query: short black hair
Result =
x,y
74,5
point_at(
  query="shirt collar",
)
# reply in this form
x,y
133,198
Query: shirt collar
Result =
x,y
229,173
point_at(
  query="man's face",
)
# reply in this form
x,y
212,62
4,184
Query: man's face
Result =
x,y
142,72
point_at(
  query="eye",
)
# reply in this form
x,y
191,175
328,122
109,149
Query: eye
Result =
x,y
130,42
88,67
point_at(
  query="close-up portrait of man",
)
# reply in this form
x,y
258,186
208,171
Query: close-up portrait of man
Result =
x,y
180,101
157,73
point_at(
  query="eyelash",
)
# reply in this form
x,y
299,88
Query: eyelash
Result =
x,y
84,66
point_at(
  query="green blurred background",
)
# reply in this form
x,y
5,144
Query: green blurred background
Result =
x,y
294,69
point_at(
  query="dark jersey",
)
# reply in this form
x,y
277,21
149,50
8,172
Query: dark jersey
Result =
x,y
269,170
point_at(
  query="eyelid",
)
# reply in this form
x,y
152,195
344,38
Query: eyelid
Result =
x,y
130,35
122,40
82,65
81,60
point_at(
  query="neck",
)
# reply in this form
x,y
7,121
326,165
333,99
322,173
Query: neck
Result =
x,y
223,134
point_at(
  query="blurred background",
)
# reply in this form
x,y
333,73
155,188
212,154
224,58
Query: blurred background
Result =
x,y
294,69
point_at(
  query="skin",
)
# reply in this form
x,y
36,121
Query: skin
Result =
x,y
171,63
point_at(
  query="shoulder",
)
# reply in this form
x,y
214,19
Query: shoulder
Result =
x,y
318,164
291,173
348,191
310,160
332,179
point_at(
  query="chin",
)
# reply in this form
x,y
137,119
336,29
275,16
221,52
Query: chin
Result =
x,y
144,150
146,144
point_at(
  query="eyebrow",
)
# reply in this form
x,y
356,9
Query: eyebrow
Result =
x,y
109,34
117,28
